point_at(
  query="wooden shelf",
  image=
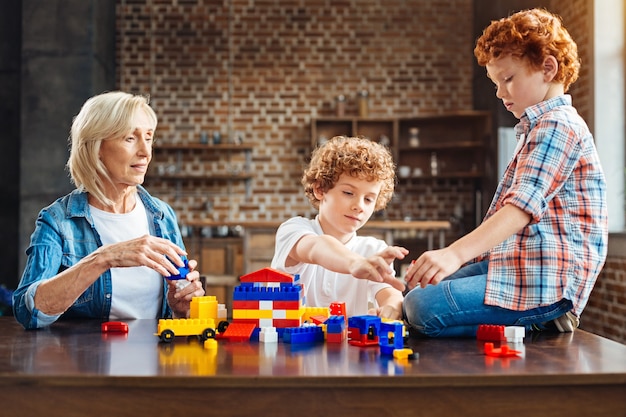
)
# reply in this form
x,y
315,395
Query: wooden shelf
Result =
x,y
175,172
198,177
201,146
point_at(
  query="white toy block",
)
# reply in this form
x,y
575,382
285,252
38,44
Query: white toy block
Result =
x,y
268,335
514,334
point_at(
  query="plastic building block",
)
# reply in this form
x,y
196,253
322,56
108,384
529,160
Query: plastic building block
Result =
x,y
490,332
167,329
364,330
336,331
404,354
268,275
338,309
501,352
181,282
239,332
391,336
514,334
203,313
318,312
182,270
114,327
309,334
268,335
210,344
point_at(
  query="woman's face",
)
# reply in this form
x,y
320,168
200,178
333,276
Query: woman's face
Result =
x,y
127,158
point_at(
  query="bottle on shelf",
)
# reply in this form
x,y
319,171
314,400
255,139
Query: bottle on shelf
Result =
x,y
414,140
434,165
363,103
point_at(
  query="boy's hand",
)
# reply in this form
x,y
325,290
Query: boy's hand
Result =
x,y
386,312
431,267
376,268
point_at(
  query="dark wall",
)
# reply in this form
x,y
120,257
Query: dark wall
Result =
x,y
10,64
53,56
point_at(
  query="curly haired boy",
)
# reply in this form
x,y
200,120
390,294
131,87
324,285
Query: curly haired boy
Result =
x,y
347,180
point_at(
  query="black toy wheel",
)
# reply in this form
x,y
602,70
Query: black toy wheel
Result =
x,y
167,336
208,334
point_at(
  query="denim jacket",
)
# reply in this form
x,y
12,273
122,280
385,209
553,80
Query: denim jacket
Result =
x,y
64,234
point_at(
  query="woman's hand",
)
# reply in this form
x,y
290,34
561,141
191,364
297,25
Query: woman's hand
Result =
x,y
150,251
179,298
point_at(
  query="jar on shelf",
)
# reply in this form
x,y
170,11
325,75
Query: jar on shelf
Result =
x,y
363,103
414,140
340,105
434,165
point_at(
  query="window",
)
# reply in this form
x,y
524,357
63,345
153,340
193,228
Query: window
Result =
x,y
609,109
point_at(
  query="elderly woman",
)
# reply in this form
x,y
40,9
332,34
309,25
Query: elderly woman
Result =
x,y
103,250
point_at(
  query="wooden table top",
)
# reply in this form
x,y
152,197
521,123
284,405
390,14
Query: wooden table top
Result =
x,y
72,369
78,348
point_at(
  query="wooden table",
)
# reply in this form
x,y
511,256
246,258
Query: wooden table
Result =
x,y
71,369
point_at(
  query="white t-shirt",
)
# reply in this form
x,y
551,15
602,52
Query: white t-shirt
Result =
x,y
321,286
137,291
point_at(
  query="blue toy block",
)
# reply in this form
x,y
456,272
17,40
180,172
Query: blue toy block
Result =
x,y
335,324
309,334
249,292
390,343
182,270
369,325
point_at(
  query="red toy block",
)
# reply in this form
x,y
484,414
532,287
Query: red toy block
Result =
x,y
490,332
238,332
268,275
501,352
114,327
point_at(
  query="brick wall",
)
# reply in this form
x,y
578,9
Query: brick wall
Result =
x,y
262,69
606,312
577,17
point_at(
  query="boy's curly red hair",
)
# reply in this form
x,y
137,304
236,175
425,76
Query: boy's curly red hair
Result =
x,y
358,157
531,35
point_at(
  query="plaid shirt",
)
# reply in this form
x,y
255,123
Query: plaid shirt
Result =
x,y
556,177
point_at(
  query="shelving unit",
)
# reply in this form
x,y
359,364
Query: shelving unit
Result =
x,y
177,171
450,146
456,141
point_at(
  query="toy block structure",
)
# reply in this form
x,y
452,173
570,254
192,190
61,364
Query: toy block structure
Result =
x,y
201,322
336,330
391,336
364,330
315,314
269,298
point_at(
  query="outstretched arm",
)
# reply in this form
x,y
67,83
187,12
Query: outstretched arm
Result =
x,y
328,252
433,266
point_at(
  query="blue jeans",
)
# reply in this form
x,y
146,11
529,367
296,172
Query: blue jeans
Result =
x,y
455,307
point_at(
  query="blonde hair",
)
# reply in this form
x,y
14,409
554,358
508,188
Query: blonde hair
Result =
x,y
358,157
103,117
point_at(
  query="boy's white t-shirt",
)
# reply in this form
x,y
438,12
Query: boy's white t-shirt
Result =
x,y
321,286
137,291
